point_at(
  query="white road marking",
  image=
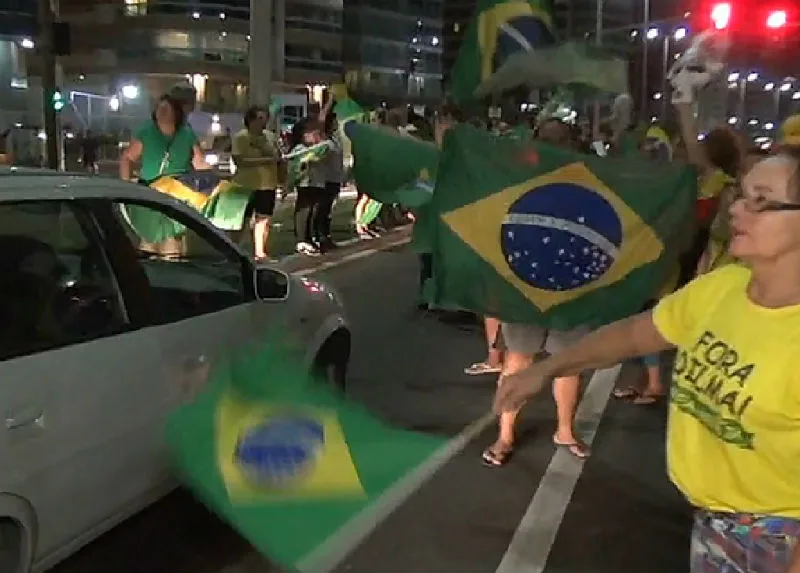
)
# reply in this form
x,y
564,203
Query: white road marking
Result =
x,y
351,257
337,547
530,546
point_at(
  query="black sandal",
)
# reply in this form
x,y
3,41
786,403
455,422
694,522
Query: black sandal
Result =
x,y
495,457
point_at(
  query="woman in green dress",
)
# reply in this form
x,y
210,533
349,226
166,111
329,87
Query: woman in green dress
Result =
x,y
164,145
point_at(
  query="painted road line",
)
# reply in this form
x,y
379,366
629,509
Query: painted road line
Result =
x,y
530,546
332,552
351,257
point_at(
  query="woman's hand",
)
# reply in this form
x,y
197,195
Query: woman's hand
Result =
x,y
516,389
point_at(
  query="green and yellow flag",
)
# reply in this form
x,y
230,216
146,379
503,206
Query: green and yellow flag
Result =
x,y
499,29
391,167
286,459
534,234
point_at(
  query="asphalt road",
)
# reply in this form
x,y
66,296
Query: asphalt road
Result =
x,y
543,513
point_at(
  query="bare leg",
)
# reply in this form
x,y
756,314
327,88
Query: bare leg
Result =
x,y
497,454
261,237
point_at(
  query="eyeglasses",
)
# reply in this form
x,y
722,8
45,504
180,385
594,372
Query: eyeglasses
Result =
x,y
757,203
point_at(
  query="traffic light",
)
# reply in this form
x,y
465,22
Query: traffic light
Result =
x,y
721,15
58,100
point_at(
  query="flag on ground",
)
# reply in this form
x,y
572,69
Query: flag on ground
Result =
x,y
285,459
498,30
534,234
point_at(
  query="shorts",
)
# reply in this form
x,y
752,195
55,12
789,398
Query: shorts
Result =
x,y
530,340
742,542
262,203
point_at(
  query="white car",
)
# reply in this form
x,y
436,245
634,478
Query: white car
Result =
x,y
100,340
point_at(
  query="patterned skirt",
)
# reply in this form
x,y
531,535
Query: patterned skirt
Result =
x,y
742,543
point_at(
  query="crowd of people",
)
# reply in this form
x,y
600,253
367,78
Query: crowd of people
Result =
x,y
731,314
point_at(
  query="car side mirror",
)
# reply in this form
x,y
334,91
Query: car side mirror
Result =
x,y
271,284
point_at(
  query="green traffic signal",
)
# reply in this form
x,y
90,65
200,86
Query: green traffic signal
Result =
x,y
58,100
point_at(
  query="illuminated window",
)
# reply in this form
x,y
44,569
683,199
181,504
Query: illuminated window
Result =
x,y
135,7
456,27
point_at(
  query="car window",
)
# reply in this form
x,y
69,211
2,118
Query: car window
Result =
x,y
189,273
56,286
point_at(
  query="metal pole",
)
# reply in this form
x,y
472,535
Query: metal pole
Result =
x,y
598,38
261,60
742,108
665,70
47,53
646,18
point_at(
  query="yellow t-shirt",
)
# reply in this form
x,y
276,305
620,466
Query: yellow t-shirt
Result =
x,y
248,146
733,441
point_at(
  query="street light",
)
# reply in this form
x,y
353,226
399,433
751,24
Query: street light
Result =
x,y
732,120
130,92
113,103
652,33
27,43
752,76
721,15
769,87
657,96
733,77
777,19
796,95
786,87
680,34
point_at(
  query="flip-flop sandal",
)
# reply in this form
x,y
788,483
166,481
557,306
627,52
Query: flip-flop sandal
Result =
x,y
496,457
577,448
646,399
629,393
482,368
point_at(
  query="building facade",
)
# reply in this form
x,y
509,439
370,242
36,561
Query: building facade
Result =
x,y
393,50
125,53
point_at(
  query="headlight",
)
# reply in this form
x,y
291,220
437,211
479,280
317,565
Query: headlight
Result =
x,y
212,159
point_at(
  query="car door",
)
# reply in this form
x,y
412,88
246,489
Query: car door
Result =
x,y
77,379
204,299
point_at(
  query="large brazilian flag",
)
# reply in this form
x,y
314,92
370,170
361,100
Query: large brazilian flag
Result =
x,y
287,460
535,234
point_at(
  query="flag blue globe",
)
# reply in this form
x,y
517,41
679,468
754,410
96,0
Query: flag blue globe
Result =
x,y
279,451
560,236
520,34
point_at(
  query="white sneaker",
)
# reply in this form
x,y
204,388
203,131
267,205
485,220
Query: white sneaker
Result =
x,y
307,249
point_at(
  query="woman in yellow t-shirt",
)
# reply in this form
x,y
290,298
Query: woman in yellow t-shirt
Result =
x,y
733,443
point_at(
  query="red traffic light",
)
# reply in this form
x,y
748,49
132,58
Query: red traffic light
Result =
x,y
777,19
721,15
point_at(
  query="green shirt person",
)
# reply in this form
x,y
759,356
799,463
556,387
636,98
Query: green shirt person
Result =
x,y
165,145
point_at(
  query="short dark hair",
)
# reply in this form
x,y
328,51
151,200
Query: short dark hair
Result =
x,y
723,150
177,109
252,113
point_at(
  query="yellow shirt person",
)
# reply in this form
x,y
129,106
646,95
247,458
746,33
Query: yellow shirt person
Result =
x,y
249,146
733,443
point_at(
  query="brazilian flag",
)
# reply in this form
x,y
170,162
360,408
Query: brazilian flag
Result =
x,y
222,202
499,30
535,234
391,167
285,459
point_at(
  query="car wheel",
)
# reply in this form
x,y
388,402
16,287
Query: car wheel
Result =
x,y
10,546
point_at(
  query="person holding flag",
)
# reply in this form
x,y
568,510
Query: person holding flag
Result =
x,y
257,154
164,145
